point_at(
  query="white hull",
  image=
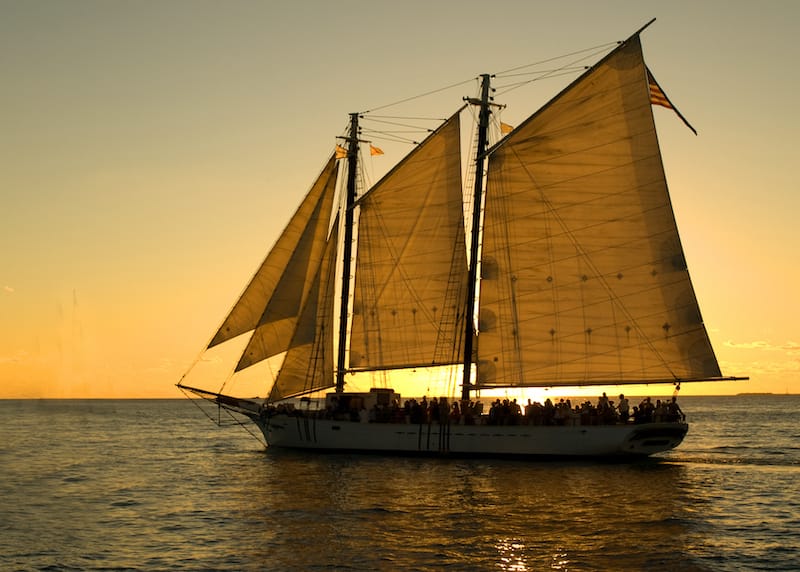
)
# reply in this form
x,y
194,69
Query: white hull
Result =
x,y
300,432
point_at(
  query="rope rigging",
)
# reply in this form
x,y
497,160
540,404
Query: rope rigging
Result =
x,y
528,71
218,421
412,129
594,50
567,69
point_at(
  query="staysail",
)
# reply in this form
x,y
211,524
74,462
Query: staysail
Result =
x,y
410,278
308,365
271,303
584,281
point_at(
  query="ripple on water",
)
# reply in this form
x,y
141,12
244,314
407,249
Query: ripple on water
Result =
x,y
153,487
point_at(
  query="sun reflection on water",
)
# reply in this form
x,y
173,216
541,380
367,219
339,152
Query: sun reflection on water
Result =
x,y
511,555
559,560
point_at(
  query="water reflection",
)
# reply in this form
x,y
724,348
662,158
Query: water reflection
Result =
x,y
137,485
511,555
368,512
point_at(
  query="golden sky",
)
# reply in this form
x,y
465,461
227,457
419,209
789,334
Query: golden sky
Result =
x,y
151,152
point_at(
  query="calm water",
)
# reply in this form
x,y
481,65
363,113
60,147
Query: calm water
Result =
x,y
154,485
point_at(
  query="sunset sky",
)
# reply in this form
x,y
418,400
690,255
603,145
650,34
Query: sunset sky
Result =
x,y
151,152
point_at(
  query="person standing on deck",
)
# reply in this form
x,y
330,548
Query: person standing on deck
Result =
x,y
623,408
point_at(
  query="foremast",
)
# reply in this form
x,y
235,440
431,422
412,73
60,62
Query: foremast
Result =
x,y
347,248
477,201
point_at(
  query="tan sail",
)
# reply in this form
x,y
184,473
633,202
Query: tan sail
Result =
x,y
410,278
584,279
276,327
308,365
271,302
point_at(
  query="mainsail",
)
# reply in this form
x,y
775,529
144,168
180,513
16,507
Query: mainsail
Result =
x,y
410,277
584,281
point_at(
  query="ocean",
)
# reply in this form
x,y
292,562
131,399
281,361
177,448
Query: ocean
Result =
x,y
154,485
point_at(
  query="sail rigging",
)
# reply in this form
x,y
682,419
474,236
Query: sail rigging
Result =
x,y
583,282
584,279
410,277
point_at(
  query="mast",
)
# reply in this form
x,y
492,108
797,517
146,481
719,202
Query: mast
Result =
x,y
472,276
347,251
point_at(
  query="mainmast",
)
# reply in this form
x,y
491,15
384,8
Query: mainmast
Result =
x,y
347,251
480,158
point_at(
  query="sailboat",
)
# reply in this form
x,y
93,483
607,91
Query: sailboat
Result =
x,y
566,271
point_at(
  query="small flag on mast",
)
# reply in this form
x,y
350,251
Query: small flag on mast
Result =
x,y
341,152
375,150
658,97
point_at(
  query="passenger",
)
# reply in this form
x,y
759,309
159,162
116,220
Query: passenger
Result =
x,y
467,412
660,412
623,408
505,413
493,412
646,409
575,415
397,413
558,413
444,410
516,413
455,414
610,414
433,411
417,412
548,413
674,412
586,413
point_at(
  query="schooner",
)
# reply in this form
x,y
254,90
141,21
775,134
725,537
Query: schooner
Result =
x,y
567,272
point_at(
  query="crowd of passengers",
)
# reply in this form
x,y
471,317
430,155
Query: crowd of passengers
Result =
x,y
505,412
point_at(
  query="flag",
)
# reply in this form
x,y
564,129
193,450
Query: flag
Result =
x,y
375,150
505,128
658,97
341,152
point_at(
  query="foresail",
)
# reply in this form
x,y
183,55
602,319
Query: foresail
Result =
x,y
410,277
308,365
584,279
272,301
